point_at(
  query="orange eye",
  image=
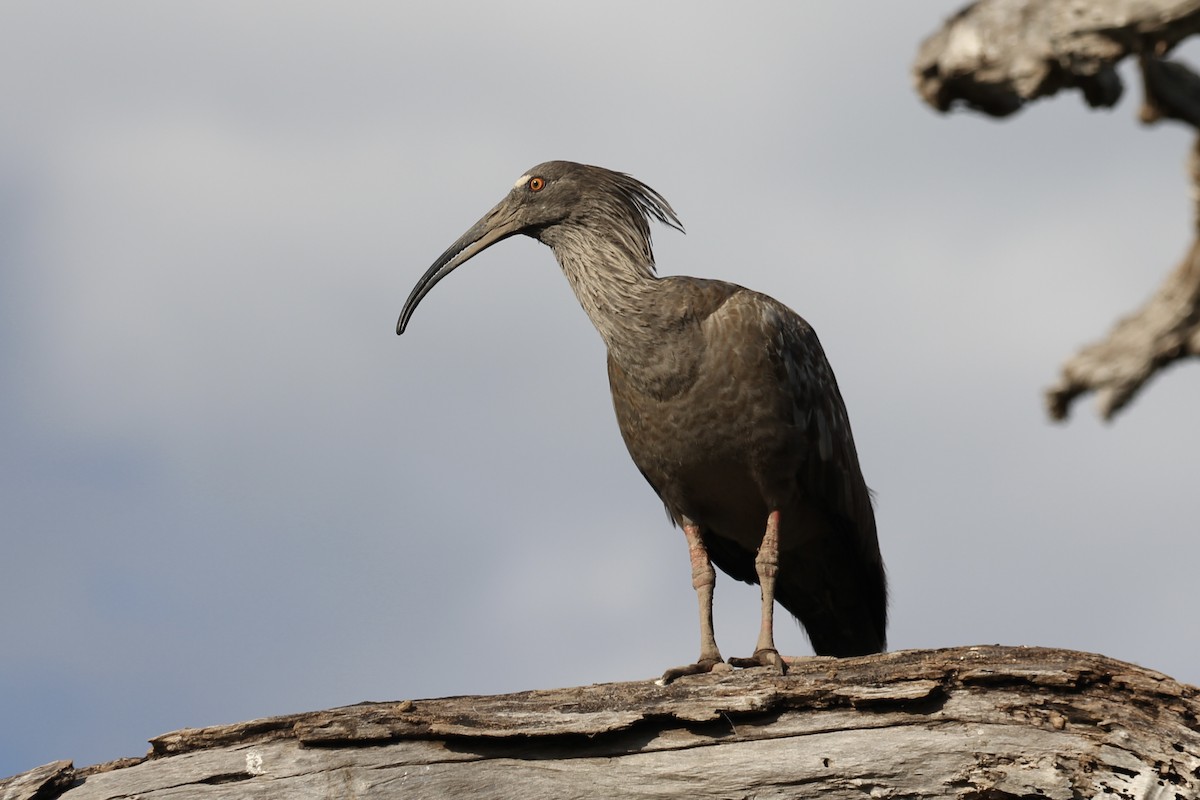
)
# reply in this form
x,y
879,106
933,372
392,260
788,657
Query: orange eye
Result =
x,y
536,184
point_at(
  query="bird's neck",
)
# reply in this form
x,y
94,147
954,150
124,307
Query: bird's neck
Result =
x,y
617,288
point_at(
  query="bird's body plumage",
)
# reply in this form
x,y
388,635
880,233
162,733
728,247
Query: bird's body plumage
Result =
x,y
756,423
726,402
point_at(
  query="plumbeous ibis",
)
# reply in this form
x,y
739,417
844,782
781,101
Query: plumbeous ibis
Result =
x,y
727,404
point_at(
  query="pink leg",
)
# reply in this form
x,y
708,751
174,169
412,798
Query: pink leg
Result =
x,y
704,578
767,566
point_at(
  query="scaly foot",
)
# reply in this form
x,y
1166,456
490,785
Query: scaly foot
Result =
x,y
766,657
701,666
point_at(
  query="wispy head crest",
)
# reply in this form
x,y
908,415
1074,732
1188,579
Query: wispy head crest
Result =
x,y
630,205
648,203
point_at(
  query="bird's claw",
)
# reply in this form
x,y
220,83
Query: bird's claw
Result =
x,y
701,666
766,657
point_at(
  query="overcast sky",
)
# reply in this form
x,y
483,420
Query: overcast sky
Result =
x,y
230,491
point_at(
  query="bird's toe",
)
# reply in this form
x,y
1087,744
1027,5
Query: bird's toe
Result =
x,y
766,657
701,666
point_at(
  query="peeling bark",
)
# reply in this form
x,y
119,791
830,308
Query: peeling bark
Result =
x,y
977,722
995,56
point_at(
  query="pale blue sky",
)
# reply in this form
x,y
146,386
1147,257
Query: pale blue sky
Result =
x,y
230,491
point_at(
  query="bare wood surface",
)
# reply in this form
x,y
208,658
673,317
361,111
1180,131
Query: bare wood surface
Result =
x,y
978,722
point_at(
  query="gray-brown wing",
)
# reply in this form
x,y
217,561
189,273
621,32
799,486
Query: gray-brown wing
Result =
x,y
830,471
840,594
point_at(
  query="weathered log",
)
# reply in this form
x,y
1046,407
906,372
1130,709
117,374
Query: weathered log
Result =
x,y
996,56
971,722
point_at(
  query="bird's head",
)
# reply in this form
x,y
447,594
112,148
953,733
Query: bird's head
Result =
x,y
547,199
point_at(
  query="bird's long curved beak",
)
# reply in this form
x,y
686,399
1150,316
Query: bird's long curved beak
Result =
x,y
498,224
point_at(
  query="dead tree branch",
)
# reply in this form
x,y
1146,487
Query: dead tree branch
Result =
x,y
970,722
995,56
1164,330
